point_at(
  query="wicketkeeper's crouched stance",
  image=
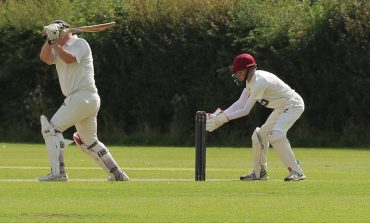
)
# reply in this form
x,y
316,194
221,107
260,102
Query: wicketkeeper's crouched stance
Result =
x,y
270,91
74,63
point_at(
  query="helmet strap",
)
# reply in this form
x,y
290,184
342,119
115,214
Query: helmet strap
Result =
x,y
250,71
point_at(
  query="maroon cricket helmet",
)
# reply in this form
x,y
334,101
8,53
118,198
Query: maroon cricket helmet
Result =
x,y
243,61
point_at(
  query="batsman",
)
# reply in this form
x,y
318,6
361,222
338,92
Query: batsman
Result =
x,y
73,60
271,92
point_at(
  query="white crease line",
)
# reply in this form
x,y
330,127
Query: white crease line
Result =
x,y
125,168
133,180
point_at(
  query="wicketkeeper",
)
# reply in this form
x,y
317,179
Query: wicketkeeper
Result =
x,y
271,92
73,59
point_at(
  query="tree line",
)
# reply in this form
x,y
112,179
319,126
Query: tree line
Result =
x,y
166,59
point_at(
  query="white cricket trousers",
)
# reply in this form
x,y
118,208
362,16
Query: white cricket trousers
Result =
x,y
79,109
282,119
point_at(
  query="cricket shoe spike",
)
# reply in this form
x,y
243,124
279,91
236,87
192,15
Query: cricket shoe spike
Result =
x,y
252,176
294,176
52,177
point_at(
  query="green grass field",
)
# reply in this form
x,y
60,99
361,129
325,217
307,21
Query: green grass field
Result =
x,y
163,189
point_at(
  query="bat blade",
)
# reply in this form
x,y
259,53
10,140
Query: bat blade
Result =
x,y
93,28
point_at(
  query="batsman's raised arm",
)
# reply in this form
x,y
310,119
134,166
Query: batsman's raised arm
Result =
x,y
48,57
46,54
65,55
51,33
56,36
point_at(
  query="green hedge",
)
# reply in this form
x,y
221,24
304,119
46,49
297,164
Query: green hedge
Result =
x,y
166,59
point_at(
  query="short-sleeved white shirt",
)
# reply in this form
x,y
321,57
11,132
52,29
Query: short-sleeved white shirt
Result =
x,y
78,75
269,90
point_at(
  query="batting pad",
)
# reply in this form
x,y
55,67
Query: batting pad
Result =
x,y
100,153
260,150
256,148
282,146
54,144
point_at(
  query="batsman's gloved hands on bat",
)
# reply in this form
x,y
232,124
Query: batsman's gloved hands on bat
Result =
x,y
215,120
52,32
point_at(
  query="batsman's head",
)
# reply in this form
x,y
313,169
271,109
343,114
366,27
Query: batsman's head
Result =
x,y
64,33
243,61
63,23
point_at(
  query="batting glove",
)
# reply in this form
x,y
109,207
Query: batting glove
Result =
x,y
215,120
52,32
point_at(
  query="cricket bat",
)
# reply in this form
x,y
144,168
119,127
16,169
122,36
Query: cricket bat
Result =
x,y
92,28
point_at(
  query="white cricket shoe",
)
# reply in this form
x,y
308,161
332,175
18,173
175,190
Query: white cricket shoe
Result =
x,y
252,176
121,177
52,177
294,176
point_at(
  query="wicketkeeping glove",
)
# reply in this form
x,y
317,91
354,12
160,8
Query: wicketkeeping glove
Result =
x,y
52,32
215,120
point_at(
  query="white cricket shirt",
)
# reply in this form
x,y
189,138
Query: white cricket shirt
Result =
x,y
266,88
78,75
269,90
